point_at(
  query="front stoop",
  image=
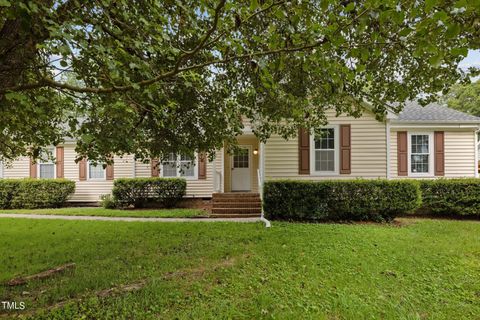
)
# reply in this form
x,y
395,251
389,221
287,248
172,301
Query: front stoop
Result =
x,y
236,205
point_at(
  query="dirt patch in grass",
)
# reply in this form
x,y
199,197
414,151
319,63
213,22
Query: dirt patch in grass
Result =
x,y
191,274
41,275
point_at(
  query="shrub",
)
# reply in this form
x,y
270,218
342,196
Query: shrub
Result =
x,y
138,191
451,196
35,193
8,188
108,202
376,200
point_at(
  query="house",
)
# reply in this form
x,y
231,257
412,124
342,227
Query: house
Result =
x,y
419,143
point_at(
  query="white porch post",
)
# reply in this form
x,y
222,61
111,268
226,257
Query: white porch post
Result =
x,y
262,168
387,137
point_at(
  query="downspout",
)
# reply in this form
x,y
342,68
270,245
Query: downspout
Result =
x,y
387,137
134,167
476,152
260,175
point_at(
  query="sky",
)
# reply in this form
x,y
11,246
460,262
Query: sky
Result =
x,y
472,60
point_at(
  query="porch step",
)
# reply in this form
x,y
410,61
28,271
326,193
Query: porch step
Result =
x,y
257,210
236,204
236,195
242,215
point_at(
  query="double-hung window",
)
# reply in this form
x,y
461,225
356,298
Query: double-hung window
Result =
x,y
179,166
325,151
420,157
46,166
96,171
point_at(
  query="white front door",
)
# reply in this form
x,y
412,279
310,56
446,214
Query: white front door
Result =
x,y
241,169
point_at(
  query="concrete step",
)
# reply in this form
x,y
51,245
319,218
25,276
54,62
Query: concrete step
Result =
x,y
257,210
237,204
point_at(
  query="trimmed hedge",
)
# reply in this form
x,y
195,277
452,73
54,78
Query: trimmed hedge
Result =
x,y
375,200
451,196
138,192
35,193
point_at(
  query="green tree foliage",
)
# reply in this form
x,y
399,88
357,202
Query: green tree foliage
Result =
x,y
464,97
153,77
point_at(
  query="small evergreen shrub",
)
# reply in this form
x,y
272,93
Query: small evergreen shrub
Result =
x,y
374,200
108,202
138,192
35,193
451,196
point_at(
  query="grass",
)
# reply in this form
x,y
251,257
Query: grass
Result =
x,y
90,211
426,269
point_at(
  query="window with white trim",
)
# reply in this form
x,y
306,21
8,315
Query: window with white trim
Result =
x,y
179,166
46,166
96,171
325,150
420,157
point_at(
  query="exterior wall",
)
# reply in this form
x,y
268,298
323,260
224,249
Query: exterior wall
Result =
x,y
368,151
459,152
202,188
19,168
248,140
91,190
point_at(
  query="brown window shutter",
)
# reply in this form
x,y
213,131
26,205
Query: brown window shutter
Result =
x,y
109,172
60,164
439,146
33,169
202,165
82,170
402,153
345,149
303,151
155,167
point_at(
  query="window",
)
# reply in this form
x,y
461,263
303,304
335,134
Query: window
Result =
x,y
420,153
178,166
240,158
46,166
96,171
325,151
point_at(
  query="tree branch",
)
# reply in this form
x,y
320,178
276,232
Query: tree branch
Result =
x,y
48,82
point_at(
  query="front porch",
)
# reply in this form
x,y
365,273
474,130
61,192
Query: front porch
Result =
x,y
238,183
241,166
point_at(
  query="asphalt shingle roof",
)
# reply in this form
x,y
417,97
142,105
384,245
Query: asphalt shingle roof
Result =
x,y
414,112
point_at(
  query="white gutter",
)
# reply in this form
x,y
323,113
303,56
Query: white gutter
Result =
x,y
387,136
440,125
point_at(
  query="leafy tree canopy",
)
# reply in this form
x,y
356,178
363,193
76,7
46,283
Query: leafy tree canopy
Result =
x,y
464,97
151,77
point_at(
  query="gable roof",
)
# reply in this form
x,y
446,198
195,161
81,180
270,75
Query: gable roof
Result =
x,y
433,112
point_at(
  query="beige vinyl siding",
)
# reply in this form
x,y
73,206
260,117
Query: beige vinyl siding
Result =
x,y
142,170
91,190
17,169
368,150
195,187
459,152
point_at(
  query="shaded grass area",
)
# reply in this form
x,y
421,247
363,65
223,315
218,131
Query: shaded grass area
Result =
x,y
94,211
424,269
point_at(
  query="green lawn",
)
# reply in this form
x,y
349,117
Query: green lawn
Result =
x,y
148,213
426,269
